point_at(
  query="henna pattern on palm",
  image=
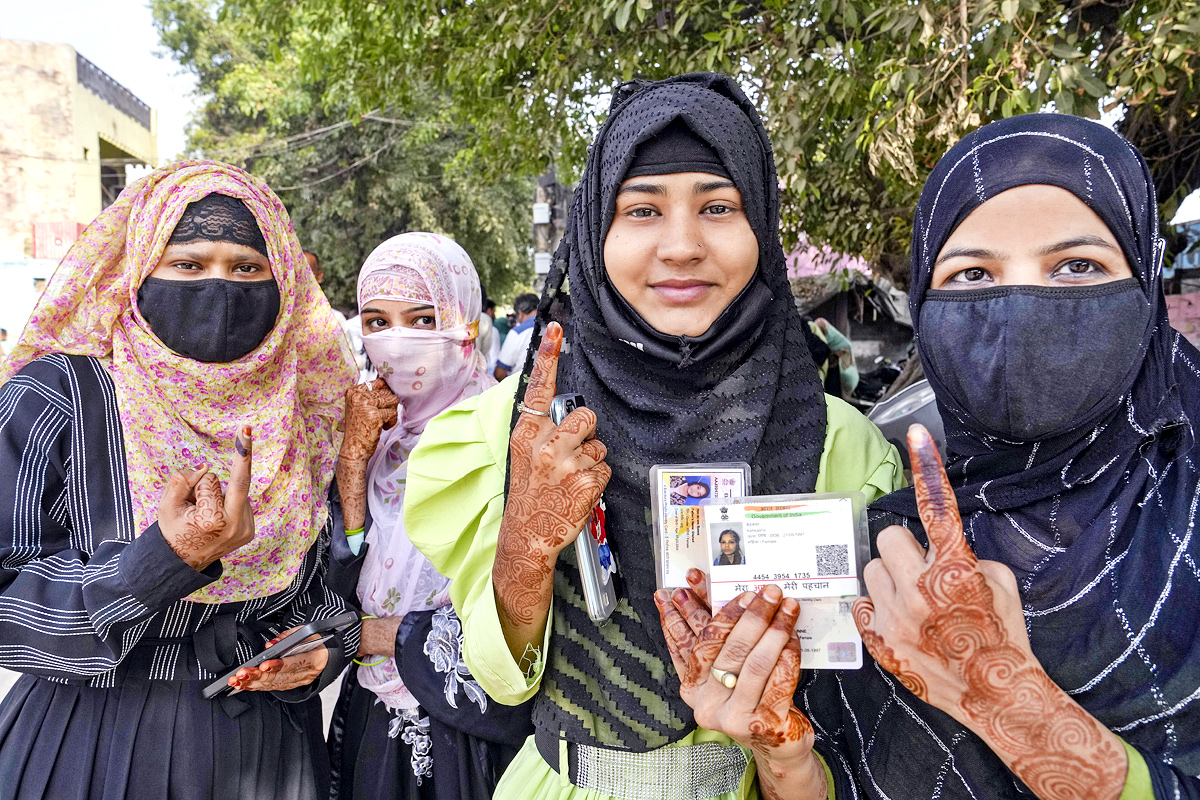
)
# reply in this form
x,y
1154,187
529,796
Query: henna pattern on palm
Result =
x,y
1049,741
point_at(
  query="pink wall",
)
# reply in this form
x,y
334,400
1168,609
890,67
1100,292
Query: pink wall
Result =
x,y
808,260
1183,310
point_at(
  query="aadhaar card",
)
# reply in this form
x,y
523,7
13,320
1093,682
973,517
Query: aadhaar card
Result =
x,y
679,495
808,546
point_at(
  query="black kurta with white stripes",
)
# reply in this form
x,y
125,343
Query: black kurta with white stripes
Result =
x,y
85,598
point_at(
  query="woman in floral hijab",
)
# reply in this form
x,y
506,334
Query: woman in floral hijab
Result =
x,y
410,722
168,426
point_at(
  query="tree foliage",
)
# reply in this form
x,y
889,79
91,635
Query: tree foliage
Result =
x,y
861,96
349,180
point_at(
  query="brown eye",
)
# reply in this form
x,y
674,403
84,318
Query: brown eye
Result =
x,y
1080,266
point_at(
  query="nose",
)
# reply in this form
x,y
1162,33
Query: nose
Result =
x,y
680,242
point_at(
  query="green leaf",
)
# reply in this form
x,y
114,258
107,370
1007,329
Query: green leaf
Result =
x,y
622,17
1009,9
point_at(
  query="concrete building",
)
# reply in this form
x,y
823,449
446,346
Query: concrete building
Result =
x,y
67,135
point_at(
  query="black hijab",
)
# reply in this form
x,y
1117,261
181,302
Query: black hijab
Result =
x,y
1096,521
745,390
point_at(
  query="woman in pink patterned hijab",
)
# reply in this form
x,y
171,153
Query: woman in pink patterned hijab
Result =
x,y
168,427
419,299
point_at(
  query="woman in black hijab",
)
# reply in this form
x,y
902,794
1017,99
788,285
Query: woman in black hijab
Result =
x,y
687,346
1067,658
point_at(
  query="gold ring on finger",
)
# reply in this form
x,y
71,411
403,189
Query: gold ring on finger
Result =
x,y
724,677
524,409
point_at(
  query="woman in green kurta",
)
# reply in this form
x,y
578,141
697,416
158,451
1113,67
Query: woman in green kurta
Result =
x,y
687,346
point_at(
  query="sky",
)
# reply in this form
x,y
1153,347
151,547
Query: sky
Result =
x,y
119,37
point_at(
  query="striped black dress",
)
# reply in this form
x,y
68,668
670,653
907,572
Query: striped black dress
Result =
x,y
109,706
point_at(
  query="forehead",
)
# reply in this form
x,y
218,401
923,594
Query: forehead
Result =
x,y
1029,212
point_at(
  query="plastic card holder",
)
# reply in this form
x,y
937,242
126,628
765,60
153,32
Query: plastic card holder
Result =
x,y
813,547
679,494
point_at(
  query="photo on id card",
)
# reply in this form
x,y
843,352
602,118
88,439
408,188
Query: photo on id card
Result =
x,y
679,493
813,547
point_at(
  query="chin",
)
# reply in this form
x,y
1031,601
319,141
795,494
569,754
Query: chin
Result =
x,y
682,322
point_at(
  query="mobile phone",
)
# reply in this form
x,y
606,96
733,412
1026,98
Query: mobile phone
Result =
x,y
291,645
597,562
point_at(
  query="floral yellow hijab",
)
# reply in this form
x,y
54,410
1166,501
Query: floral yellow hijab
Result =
x,y
177,412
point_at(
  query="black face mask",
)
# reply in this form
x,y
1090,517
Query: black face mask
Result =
x,y
1031,362
213,320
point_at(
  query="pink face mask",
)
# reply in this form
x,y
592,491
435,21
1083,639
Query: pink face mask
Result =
x,y
428,370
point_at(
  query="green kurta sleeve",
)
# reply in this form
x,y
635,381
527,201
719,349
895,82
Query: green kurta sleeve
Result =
x,y
856,456
454,502
1137,778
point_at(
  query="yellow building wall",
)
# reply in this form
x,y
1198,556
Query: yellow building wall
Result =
x,y
50,142
96,120
39,156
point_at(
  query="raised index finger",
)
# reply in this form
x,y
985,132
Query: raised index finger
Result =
x,y
543,380
935,499
239,473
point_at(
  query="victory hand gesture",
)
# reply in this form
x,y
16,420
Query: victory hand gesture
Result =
x,y
950,628
199,521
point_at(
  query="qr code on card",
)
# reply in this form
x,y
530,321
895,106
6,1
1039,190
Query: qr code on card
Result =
x,y
833,560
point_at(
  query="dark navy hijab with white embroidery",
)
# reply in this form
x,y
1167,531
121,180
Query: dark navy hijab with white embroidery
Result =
x,y
1090,500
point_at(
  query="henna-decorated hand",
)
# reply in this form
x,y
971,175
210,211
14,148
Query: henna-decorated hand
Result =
x,y
281,674
199,522
950,628
370,409
753,637
557,474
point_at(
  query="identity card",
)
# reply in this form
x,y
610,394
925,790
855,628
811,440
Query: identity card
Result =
x,y
679,494
813,547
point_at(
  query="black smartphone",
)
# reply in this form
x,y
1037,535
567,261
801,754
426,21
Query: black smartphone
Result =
x,y
291,645
597,563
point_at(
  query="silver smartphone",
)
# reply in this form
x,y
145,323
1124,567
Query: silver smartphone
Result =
x,y
597,562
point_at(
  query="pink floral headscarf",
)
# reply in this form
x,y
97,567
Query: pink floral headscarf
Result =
x,y
430,370
177,412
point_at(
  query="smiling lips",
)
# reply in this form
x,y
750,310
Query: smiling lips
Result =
x,y
682,291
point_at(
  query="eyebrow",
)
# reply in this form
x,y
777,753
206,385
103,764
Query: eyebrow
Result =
x,y
1087,239
969,252
191,255
412,310
646,188
712,186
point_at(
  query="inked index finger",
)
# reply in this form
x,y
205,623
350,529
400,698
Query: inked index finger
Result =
x,y
936,504
239,474
543,379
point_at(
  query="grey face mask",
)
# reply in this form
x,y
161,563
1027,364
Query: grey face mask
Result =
x,y
1031,362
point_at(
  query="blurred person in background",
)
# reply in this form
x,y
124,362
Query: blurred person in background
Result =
x,y
516,343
